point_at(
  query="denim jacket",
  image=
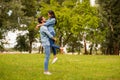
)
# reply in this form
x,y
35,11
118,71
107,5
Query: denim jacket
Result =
x,y
50,24
45,35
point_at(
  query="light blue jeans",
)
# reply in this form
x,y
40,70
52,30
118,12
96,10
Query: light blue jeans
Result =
x,y
47,56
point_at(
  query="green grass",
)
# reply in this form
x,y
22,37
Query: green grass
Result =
x,y
68,67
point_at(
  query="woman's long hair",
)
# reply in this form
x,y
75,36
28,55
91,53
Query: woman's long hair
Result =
x,y
52,15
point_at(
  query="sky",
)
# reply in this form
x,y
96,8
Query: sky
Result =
x,y
92,2
11,38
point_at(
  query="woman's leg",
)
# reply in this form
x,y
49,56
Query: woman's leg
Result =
x,y
52,45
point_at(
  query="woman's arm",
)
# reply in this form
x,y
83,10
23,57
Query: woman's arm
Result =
x,y
49,22
37,26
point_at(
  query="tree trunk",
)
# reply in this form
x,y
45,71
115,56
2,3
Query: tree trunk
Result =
x,y
110,24
85,48
73,49
96,50
60,39
91,49
66,40
40,49
110,45
30,50
116,48
79,51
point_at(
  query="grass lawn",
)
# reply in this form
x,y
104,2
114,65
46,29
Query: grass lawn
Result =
x,y
68,67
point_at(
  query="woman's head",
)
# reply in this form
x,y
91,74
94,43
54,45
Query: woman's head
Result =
x,y
51,14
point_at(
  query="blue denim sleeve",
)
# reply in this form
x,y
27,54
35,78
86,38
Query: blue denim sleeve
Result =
x,y
50,22
47,32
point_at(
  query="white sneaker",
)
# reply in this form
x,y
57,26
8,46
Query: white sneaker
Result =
x,y
54,60
47,73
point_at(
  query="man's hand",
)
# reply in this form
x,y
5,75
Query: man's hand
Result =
x,y
54,39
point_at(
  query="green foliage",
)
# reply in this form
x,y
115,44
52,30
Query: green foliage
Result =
x,y
74,43
74,18
10,12
30,8
22,43
1,46
109,11
32,32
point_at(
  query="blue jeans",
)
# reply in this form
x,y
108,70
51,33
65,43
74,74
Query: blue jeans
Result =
x,y
47,56
52,44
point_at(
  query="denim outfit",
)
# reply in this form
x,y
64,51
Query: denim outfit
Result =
x,y
45,35
50,25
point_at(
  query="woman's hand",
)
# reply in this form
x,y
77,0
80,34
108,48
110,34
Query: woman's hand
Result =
x,y
54,39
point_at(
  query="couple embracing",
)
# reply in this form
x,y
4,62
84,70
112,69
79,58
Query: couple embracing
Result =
x,y
47,34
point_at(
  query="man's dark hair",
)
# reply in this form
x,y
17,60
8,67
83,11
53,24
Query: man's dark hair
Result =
x,y
40,19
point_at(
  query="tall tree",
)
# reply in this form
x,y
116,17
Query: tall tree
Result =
x,y
86,21
110,14
10,15
32,34
30,9
16,14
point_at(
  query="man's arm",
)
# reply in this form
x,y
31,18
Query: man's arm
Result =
x,y
45,30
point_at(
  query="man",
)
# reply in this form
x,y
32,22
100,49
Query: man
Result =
x,y
45,35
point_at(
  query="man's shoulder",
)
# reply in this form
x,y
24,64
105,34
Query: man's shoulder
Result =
x,y
43,27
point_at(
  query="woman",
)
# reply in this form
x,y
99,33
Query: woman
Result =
x,y
50,23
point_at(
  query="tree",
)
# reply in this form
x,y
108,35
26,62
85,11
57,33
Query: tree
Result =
x,y
14,14
76,18
10,15
86,21
32,35
110,15
62,26
30,10
22,43
75,44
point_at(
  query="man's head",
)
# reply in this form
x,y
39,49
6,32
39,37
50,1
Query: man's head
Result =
x,y
41,19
